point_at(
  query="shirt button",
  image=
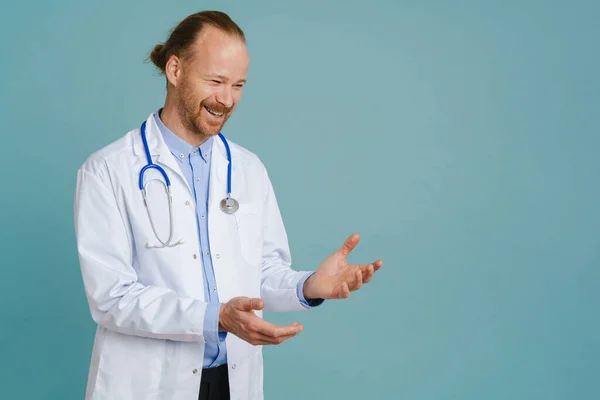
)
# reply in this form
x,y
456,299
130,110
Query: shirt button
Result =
x,y
218,256
195,371
197,179
202,215
195,256
207,253
181,156
215,289
233,366
187,203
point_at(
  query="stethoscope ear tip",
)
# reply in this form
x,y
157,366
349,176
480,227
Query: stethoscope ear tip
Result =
x,y
150,245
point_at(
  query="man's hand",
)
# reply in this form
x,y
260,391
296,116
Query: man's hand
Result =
x,y
237,316
335,278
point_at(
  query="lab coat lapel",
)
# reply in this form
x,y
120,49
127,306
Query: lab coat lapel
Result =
x,y
160,152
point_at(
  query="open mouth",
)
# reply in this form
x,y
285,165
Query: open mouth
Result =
x,y
214,112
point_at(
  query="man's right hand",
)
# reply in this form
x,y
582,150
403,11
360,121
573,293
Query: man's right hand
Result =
x,y
237,316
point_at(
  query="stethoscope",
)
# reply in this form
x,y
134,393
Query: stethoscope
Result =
x,y
228,205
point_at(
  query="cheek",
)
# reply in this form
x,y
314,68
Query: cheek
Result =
x,y
236,96
188,95
197,94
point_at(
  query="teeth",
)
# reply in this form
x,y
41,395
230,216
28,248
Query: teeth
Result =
x,y
218,114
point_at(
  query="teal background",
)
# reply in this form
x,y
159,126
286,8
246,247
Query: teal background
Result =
x,y
460,139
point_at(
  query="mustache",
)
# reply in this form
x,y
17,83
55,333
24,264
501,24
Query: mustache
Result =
x,y
218,108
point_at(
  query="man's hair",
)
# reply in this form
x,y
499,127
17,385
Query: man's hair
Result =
x,y
184,34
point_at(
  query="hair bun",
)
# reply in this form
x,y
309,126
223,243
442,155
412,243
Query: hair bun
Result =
x,y
157,57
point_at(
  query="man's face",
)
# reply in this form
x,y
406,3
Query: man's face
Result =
x,y
211,81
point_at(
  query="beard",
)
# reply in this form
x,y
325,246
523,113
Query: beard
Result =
x,y
197,118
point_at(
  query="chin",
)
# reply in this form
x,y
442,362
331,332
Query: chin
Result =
x,y
204,129
211,130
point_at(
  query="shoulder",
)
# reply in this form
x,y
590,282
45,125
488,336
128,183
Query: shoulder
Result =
x,y
237,150
243,155
111,151
254,170
98,161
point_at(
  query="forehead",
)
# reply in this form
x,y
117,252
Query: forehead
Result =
x,y
215,51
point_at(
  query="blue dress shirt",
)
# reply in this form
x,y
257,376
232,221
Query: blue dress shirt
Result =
x,y
195,165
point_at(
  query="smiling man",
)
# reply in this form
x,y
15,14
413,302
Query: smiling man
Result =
x,y
181,241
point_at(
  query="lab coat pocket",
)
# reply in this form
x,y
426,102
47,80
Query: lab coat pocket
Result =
x,y
249,224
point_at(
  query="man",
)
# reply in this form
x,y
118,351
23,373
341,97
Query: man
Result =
x,y
177,285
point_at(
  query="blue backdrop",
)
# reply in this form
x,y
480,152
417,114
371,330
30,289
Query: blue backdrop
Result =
x,y
459,138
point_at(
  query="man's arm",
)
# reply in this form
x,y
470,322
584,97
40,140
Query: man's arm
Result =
x,y
116,299
282,287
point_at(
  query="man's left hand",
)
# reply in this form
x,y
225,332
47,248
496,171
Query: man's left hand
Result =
x,y
335,278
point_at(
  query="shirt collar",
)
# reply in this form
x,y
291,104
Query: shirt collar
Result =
x,y
179,147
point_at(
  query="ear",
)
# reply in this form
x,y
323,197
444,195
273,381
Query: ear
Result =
x,y
173,70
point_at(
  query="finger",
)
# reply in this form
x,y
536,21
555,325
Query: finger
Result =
x,y
268,329
280,339
261,339
369,269
344,291
249,304
367,272
358,279
349,244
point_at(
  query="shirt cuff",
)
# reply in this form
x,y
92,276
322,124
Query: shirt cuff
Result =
x,y
211,324
300,293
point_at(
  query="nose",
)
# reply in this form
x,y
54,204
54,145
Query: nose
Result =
x,y
225,96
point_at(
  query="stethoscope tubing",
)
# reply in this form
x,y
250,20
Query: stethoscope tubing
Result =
x,y
228,205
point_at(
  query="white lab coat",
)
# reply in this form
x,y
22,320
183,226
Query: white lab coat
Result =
x,y
149,303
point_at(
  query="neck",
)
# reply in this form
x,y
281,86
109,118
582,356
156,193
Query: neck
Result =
x,y
172,119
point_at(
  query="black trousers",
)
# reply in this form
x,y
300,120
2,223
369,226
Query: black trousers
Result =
x,y
214,384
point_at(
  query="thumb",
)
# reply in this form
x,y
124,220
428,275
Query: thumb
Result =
x,y
249,304
349,244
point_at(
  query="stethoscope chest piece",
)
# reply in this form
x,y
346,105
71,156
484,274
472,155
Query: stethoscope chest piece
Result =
x,y
229,205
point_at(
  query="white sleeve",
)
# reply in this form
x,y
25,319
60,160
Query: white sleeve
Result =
x,y
116,299
279,282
